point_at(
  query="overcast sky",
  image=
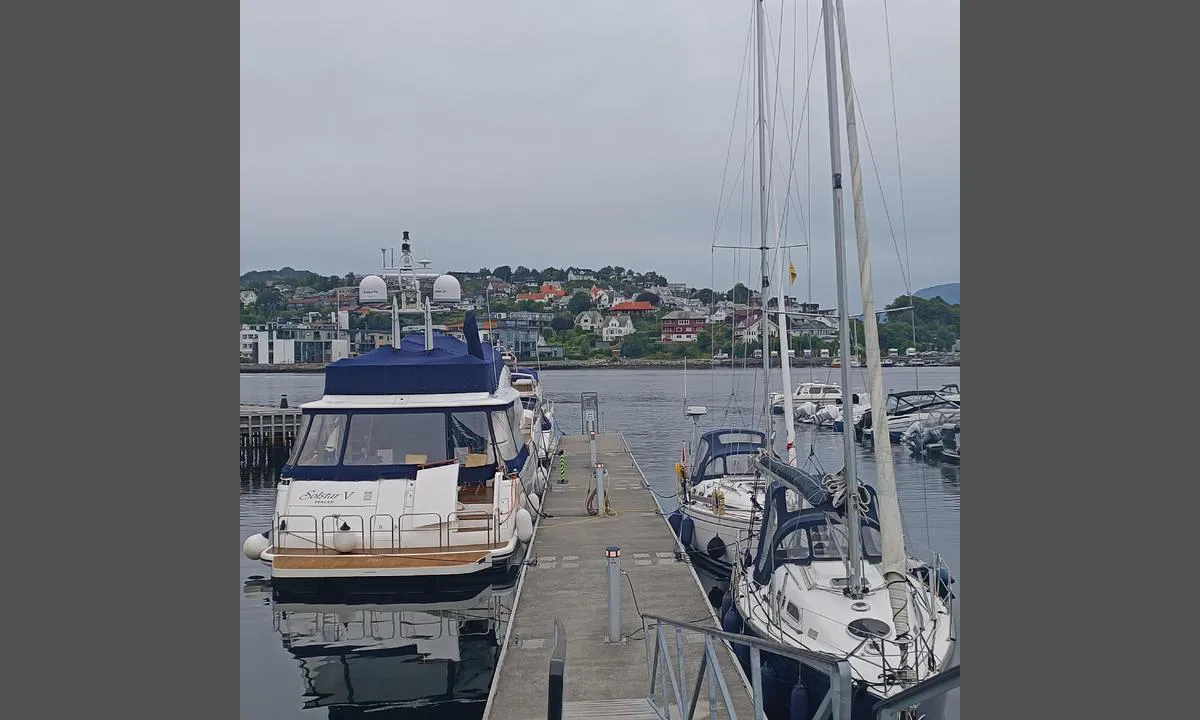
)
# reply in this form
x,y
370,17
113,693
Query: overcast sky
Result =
x,y
587,133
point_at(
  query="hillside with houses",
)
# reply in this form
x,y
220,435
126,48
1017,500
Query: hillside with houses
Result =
x,y
572,313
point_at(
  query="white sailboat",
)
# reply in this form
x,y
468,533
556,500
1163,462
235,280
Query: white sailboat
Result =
x,y
721,498
828,570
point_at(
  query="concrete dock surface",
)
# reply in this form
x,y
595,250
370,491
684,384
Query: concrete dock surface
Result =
x,y
569,582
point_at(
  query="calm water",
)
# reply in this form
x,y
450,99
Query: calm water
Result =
x,y
412,661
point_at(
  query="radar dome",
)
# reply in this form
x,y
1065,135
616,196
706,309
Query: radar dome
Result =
x,y
372,289
446,289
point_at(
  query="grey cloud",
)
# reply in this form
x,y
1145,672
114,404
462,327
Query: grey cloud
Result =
x,y
584,133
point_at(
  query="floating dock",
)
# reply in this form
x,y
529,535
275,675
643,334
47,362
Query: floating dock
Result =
x,y
568,583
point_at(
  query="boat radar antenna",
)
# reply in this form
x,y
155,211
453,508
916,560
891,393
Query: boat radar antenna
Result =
x,y
446,295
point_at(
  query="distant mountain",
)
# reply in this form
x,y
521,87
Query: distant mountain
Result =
x,y
947,292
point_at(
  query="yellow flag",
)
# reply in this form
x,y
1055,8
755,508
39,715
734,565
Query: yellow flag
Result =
x,y
792,271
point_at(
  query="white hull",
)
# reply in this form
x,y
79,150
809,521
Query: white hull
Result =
x,y
715,532
468,515
900,424
822,615
727,529
816,393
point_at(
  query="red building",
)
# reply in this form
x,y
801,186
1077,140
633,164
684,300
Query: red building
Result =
x,y
682,325
546,293
640,307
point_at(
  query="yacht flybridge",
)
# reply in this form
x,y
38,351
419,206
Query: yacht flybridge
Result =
x,y
413,464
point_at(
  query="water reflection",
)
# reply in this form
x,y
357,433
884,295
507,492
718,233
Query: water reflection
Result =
x,y
350,675
411,659
950,473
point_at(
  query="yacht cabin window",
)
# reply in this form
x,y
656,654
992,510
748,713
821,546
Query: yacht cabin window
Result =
x,y
396,438
323,443
515,415
470,439
507,430
405,438
305,421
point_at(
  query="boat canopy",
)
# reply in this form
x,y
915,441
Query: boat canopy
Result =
x,y
798,535
727,452
452,366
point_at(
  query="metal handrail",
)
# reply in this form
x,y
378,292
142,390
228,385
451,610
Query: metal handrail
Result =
x,y
939,684
557,674
319,530
836,702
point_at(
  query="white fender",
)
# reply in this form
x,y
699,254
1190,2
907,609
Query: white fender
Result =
x,y
256,545
345,542
524,524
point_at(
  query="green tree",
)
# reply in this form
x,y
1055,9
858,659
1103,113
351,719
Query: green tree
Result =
x,y
485,272
738,294
650,298
269,300
704,295
579,302
937,324
503,272
634,346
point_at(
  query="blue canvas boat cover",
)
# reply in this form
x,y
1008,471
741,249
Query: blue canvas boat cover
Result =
x,y
452,366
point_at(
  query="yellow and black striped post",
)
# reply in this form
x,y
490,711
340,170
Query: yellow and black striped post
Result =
x,y
562,467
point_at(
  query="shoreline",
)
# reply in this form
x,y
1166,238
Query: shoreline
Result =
x,y
623,364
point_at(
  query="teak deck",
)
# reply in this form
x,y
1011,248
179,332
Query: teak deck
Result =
x,y
321,558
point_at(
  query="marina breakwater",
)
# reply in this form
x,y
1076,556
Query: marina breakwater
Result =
x,y
948,360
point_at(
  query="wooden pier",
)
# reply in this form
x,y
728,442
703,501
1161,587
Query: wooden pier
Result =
x,y
266,436
567,582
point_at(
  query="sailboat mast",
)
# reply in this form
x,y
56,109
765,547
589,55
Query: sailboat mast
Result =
x,y
764,282
789,413
853,529
894,563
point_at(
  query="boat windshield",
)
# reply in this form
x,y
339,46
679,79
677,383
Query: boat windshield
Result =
x,y
735,464
323,443
404,438
824,542
305,421
396,438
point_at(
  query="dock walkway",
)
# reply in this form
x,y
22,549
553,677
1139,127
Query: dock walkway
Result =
x,y
569,582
